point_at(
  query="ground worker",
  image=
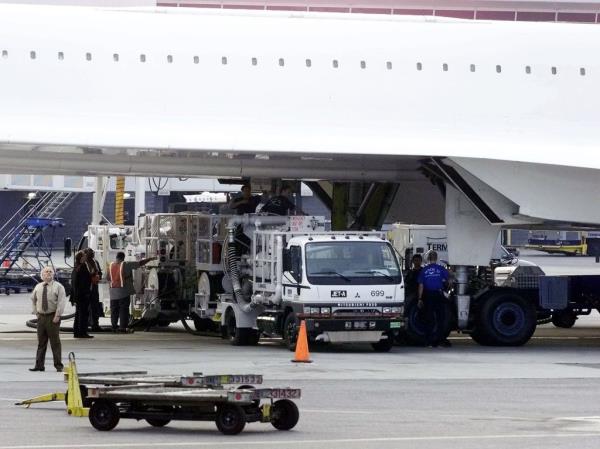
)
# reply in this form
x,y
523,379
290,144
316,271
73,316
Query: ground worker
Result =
x,y
81,284
48,300
95,275
411,280
245,203
433,279
120,277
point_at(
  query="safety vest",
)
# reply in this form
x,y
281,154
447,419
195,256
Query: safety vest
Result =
x,y
116,275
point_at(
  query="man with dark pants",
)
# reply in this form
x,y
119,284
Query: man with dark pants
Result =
x,y
432,279
120,276
48,300
95,275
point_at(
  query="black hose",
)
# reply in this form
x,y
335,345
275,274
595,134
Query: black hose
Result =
x,y
33,323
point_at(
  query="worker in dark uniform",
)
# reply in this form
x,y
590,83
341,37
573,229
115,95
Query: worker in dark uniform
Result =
x,y
433,279
95,276
411,280
245,203
281,204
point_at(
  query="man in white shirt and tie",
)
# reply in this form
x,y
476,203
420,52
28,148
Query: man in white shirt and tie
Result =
x,y
48,300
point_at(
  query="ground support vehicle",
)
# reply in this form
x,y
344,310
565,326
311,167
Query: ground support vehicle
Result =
x,y
255,275
192,399
502,303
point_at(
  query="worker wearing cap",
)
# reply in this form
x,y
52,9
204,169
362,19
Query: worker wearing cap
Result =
x,y
432,279
48,301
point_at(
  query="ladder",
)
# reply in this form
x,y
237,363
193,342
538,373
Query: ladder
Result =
x,y
22,236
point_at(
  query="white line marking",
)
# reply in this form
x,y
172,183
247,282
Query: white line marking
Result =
x,y
303,442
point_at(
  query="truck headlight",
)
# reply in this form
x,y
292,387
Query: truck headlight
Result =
x,y
387,310
325,310
396,310
314,310
306,310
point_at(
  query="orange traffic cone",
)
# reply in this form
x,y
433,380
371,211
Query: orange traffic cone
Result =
x,y
302,355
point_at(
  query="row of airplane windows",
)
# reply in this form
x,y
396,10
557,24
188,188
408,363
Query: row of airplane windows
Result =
x,y
334,63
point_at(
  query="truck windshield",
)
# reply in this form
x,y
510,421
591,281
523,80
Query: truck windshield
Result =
x,y
351,262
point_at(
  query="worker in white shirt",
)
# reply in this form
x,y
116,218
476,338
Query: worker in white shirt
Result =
x,y
48,301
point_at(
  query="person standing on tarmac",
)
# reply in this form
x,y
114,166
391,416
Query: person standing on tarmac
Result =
x,y
95,274
432,280
411,280
81,283
48,300
120,277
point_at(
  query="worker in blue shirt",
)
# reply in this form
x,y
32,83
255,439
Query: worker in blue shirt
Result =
x,y
433,279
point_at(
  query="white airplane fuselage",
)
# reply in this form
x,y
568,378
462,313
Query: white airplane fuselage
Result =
x,y
513,107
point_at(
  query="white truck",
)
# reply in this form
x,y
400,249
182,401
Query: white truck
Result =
x,y
253,275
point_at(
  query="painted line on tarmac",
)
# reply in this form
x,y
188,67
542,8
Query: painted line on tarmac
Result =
x,y
322,441
347,412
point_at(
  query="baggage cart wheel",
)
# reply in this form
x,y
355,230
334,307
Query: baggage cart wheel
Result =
x,y
284,415
231,419
158,422
104,415
87,402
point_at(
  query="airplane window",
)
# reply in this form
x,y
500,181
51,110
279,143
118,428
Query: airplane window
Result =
x,y
169,59
308,63
281,62
196,59
498,69
88,56
553,70
528,69
445,67
582,71
363,64
472,67
389,65
116,57
224,60
419,66
336,64
32,54
254,61
4,54
142,58
61,56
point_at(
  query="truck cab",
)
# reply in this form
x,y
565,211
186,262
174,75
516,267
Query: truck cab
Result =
x,y
347,287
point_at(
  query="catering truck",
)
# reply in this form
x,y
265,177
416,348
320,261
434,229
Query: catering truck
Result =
x,y
257,275
502,302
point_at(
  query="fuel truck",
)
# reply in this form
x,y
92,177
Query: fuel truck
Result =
x,y
248,276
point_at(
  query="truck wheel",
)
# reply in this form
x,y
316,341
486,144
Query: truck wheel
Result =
x,y
415,331
506,319
384,345
158,422
284,415
239,336
104,415
204,324
291,326
230,419
565,319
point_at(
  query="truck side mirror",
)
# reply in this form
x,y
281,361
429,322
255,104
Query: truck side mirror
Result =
x,y
68,246
287,260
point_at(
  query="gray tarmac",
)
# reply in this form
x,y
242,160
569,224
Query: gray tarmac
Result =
x,y
542,395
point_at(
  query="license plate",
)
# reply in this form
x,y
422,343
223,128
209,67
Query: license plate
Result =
x,y
277,393
360,325
395,325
